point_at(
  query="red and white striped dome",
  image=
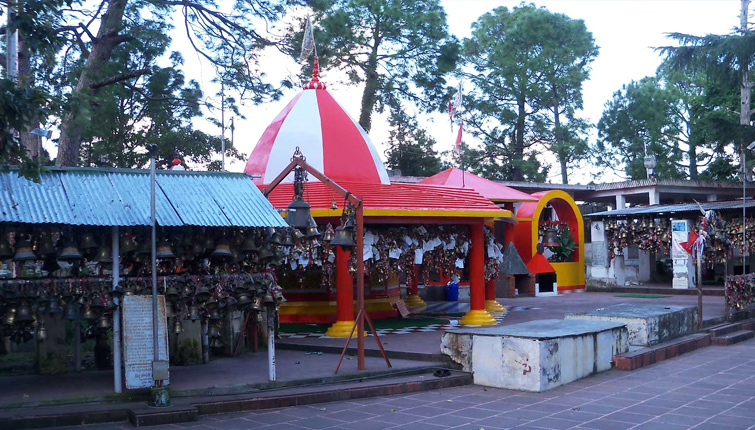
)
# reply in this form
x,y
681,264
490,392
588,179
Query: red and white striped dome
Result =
x,y
327,136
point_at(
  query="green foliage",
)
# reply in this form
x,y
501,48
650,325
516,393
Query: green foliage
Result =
x,y
528,67
566,246
189,353
398,48
53,363
410,148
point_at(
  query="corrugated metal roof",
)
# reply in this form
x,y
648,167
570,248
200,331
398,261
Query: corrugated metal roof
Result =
x,y
675,208
110,197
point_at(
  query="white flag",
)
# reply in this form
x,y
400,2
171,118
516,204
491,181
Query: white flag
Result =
x,y
458,102
308,42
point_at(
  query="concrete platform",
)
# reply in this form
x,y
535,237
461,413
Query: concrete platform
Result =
x,y
648,324
537,355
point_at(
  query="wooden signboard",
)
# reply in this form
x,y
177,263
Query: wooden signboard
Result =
x,y
138,352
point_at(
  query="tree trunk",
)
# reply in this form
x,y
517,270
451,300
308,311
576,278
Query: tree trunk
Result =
x,y
31,142
369,97
559,136
518,152
744,113
103,45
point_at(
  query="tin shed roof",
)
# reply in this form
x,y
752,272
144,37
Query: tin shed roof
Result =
x,y
121,197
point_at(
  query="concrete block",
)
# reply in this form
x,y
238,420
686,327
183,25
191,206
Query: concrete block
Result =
x,y
648,324
537,355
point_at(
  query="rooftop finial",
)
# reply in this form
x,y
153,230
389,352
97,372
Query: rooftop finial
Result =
x,y
315,83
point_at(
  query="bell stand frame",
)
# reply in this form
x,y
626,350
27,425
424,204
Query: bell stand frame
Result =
x,y
297,161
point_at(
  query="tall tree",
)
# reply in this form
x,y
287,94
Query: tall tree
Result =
x,y
410,148
98,44
528,68
394,47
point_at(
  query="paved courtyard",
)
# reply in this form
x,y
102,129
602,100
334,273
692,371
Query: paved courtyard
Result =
x,y
711,388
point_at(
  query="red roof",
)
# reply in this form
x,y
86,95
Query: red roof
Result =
x,y
394,200
540,264
494,191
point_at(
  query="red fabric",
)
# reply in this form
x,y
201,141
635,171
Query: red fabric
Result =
x,y
346,156
691,239
539,264
458,178
476,268
458,137
344,286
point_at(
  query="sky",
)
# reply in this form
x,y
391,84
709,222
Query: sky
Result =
x,y
625,31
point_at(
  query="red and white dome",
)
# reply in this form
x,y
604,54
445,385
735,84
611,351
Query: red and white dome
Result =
x,y
327,136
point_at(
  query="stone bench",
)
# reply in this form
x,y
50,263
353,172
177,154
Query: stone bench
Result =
x,y
536,355
648,324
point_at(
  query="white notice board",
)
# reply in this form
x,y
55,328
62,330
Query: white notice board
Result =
x,y
138,353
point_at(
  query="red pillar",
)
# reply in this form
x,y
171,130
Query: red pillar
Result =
x,y
491,305
477,314
344,296
412,290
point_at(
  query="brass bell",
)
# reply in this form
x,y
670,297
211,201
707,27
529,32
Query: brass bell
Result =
x,y
244,300
208,243
171,294
97,304
277,238
128,245
240,288
41,332
264,254
203,294
145,248
214,315
88,242
110,304
164,250
23,315
178,327
117,291
104,254
89,314
5,251
194,312
298,213
550,237
24,251
211,303
249,245
70,252
288,239
50,265
268,298
297,235
104,323
343,238
277,262
45,247
312,231
10,317
327,235
71,312
223,249
53,307
257,306
169,310
213,331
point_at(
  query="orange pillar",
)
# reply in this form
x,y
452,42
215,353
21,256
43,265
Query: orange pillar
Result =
x,y
491,305
477,314
412,290
344,296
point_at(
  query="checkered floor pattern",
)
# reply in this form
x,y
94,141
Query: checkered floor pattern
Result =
x,y
454,322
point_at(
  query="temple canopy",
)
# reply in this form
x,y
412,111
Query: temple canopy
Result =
x,y
493,191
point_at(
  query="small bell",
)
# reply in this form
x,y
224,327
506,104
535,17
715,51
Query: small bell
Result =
x,y
214,315
312,231
223,249
50,265
550,237
244,300
89,314
117,291
24,251
164,250
45,247
88,242
53,307
277,238
171,294
257,306
70,252
343,238
170,311
328,234
104,323
41,332
71,312
145,248
297,235
194,313
264,254
210,304
249,245
23,315
288,240
178,327
203,294
104,254
128,245
10,317
213,331
208,243
268,298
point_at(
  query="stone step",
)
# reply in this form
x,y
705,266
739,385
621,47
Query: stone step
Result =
x,y
633,360
724,329
147,416
732,338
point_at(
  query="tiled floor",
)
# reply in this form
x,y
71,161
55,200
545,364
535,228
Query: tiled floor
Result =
x,y
711,388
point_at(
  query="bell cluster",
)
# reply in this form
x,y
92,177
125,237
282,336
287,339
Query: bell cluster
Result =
x,y
724,235
646,234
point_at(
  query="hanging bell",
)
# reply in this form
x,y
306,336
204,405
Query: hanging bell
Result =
x,y
164,250
178,327
312,231
10,316
268,298
110,304
264,254
343,238
214,315
249,245
5,251
213,331
194,313
128,245
88,242
328,234
203,294
45,247
277,238
71,312
53,307
550,237
70,252
24,251
288,239
23,315
211,304
223,249
145,248
103,254
171,294
170,310
104,323
41,332
50,265
297,235
298,213
89,314
97,304
257,306
244,300
208,243
117,291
